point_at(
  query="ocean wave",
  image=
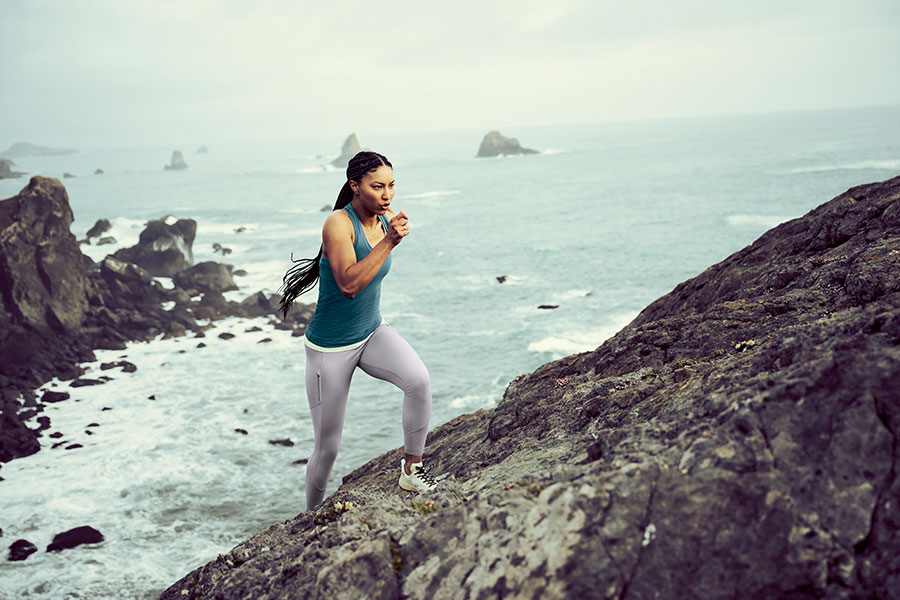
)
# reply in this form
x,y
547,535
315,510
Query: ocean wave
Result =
x,y
473,402
767,221
570,294
319,169
434,194
581,341
881,165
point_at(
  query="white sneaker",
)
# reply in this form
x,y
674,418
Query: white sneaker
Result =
x,y
419,481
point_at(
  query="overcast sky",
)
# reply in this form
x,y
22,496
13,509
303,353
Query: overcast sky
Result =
x,y
126,72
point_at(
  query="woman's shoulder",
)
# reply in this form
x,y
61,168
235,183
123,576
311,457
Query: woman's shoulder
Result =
x,y
338,223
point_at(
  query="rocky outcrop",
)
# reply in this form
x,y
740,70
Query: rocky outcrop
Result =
x,y
163,249
99,228
42,275
26,149
202,150
177,162
6,171
737,439
58,306
348,150
495,144
75,537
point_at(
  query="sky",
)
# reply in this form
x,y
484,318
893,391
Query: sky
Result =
x,y
151,72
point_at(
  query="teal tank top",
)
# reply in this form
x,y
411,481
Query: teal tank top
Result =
x,y
339,321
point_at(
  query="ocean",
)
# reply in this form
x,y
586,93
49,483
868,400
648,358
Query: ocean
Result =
x,y
604,220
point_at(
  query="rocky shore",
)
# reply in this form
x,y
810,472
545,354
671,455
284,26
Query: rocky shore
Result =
x,y
738,439
58,306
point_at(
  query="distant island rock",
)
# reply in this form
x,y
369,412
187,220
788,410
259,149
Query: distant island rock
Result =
x,y
98,172
177,162
348,151
495,144
202,150
26,149
6,171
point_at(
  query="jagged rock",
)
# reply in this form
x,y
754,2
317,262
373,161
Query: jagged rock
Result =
x,y
495,144
75,537
19,149
737,439
163,249
177,162
6,171
348,150
99,228
20,550
44,282
207,276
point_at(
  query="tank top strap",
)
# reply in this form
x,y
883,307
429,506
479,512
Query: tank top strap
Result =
x,y
357,224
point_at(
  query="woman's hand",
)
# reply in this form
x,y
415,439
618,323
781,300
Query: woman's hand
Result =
x,y
398,229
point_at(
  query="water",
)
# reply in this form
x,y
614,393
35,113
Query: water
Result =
x,y
605,220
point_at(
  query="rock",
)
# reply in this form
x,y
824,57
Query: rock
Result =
x,y
19,149
84,382
226,336
666,463
548,306
177,162
98,172
163,249
495,144
127,367
348,150
44,283
74,447
206,277
6,171
75,537
285,442
20,550
99,228
219,248
258,305
67,176
239,273
501,278
202,150
50,396
17,439
106,240
241,431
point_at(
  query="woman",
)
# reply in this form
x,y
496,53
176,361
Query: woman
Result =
x,y
347,330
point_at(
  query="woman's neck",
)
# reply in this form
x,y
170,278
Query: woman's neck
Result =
x,y
368,219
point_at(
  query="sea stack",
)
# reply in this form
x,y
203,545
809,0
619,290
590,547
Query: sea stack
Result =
x,y
177,162
6,171
202,150
348,151
495,144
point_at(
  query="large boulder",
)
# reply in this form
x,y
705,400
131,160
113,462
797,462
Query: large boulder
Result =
x,y
42,272
495,144
6,171
177,162
737,439
348,150
207,276
163,249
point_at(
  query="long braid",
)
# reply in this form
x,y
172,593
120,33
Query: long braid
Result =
x,y
304,272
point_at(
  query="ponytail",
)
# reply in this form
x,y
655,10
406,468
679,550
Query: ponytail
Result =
x,y
304,273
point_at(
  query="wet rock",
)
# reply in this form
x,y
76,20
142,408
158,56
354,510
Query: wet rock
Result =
x,y
548,306
75,537
226,336
206,277
127,367
284,442
50,396
20,550
85,381
241,431
162,249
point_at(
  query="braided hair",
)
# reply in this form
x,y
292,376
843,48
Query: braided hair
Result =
x,y
304,273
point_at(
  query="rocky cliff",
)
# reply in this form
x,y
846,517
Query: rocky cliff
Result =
x,y
495,144
738,439
57,306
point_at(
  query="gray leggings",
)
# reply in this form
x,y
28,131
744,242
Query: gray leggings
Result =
x,y
385,355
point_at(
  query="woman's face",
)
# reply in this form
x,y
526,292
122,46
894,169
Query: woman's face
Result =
x,y
376,189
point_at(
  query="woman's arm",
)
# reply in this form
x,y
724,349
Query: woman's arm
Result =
x,y
337,240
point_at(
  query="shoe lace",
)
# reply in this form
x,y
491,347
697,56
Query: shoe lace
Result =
x,y
423,474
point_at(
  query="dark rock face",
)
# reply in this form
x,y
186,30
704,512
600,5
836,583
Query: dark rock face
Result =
x,y
42,275
348,150
495,144
163,249
99,228
737,439
206,277
20,550
75,537
177,162
6,171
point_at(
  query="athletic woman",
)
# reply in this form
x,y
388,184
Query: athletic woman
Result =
x,y
347,330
